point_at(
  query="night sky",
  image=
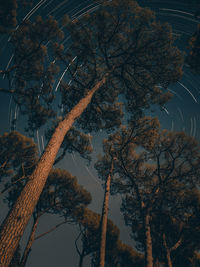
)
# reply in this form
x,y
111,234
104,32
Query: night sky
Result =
x,y
181,113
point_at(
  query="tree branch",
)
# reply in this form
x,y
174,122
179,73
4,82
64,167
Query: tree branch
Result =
x,y
50,230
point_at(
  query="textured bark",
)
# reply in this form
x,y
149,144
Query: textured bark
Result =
x,y
30,243
15,223
148,256
105,219
167,251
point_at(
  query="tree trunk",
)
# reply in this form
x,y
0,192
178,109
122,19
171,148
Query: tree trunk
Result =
x,y
30,243
148,250
14,225
81,259
105,219
167,251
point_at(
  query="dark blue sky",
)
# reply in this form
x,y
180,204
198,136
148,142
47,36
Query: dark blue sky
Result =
x,y
181,113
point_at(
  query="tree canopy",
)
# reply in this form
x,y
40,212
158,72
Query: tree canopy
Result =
x,y
156,180
121,39
116,54
62,195
193,57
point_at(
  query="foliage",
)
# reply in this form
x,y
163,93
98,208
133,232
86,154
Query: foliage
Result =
x,y
74,141
193,57
62,195
118,52
139,59
157,180
123,255
116,251
111,44
7,15
18,156
89,223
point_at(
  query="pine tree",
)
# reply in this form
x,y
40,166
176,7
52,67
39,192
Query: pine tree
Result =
x,y
104,166
118,49
154,182
61,195
89,224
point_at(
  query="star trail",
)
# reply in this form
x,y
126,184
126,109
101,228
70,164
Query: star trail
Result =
x,y
182,113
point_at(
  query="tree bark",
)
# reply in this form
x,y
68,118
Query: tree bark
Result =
x,y
104,219
148,250
14,225
167,251
30,243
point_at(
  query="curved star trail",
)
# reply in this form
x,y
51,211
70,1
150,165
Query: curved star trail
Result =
x,y
183,110
182,113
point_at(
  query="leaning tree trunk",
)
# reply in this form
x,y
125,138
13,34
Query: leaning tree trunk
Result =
x,y
14,225
30,243
105,219
148,250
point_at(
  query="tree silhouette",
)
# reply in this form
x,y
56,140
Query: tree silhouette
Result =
x,y
18,158
19,154
118,49
141,132
123,255
187,253
8,11
120,255
116,251
61,195
89,223
154,181
193,57
105,166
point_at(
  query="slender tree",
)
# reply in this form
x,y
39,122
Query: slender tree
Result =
x,y
105,168
104,218
141,132
156,186
89,223
104,164
116,252
118,49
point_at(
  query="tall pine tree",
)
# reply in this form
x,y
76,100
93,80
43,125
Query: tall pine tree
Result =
x,y
118,50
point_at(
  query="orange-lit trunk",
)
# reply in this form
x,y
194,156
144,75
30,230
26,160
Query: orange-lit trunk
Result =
x,y
167,251
15,223
104,219
148,256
